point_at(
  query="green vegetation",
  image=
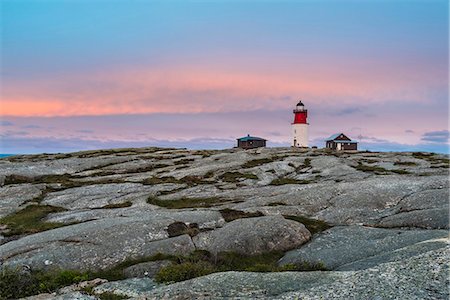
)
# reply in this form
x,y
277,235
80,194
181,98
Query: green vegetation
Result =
x,y
185,202
201,263
231,214
160,180
30,220
147,168
422,155
189,180
110,296
374,169
192,180
65,179
282,181
276,204
379,170
405,163
433,159
235,176
209,174
307,162
184,271
183,161
313,225
118,205
400,171
16,283
257,162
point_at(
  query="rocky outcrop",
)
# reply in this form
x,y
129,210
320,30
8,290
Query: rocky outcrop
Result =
x,y
423,276
104,243
388,211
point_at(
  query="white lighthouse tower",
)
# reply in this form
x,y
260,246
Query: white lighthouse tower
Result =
x,y
300,126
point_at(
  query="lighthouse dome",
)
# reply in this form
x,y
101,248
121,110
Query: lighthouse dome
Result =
x,y
300,103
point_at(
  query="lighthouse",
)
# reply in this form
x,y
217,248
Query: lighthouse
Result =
x,y
300,126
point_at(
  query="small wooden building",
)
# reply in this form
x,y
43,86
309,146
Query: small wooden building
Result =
x,y
340,142
250,142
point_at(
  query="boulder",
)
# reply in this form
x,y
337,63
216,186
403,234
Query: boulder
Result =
x,y
254,236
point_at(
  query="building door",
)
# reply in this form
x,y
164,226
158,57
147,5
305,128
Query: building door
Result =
x,y
338,146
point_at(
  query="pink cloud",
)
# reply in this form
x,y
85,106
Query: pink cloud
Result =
x,y
189,89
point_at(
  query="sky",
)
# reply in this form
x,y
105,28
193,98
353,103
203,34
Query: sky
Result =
x,y
89,74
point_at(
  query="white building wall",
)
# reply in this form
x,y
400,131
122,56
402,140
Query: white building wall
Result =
x,y
300,135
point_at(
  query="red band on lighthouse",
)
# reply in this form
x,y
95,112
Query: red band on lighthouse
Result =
x,y
300,117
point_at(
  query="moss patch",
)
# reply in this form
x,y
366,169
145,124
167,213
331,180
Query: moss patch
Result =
x,y
186,202
118,205
276,204
160,180
405,163
231,214
236,176
30,220
313,225
282,181
257,162
65,180
371,169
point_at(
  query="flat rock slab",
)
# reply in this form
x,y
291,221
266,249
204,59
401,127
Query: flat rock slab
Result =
x,y
133,287
99,195
344,245
424,276
254,236
13,196
103,243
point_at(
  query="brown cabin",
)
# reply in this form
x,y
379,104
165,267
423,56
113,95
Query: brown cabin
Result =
x,y
250,142
340,142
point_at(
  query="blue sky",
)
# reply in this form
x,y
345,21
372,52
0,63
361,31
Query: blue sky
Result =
x,y
201,73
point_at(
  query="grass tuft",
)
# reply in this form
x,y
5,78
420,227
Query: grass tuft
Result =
x,y
405,163
236,176
282,181
186,202
160,180
30,220
231,214
374,169
118,205
257,162
17,283
276,204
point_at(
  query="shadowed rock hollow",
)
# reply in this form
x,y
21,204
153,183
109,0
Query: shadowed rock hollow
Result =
x,y
362,216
